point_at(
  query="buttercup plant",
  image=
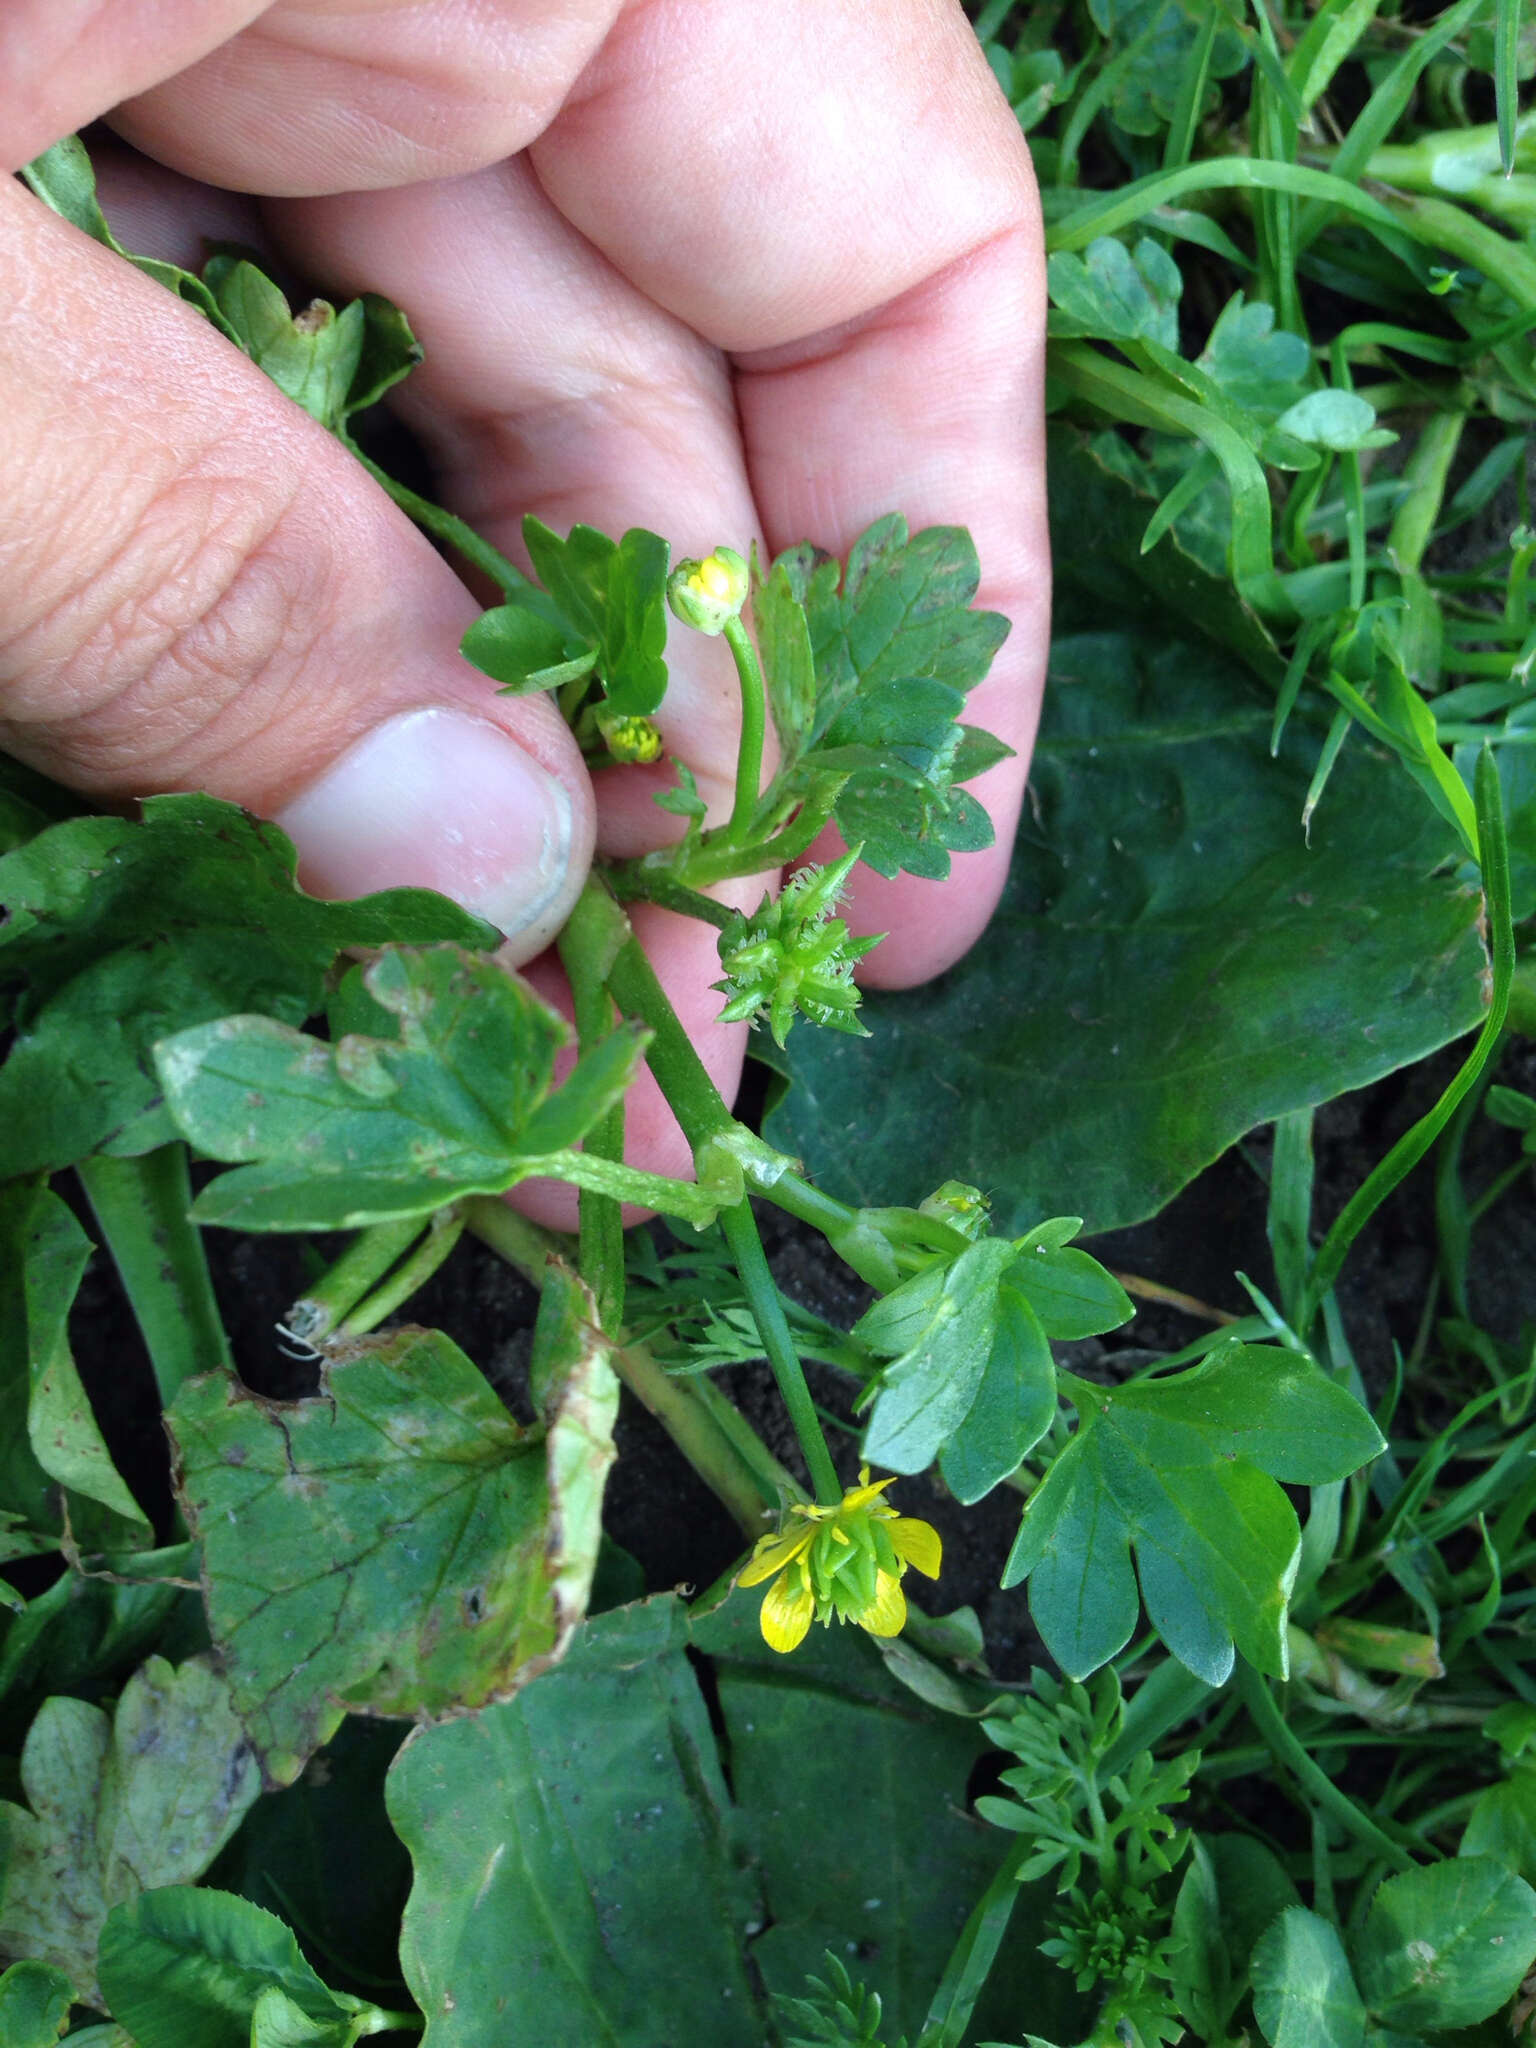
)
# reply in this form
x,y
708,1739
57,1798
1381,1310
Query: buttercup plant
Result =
x,y
1279,1786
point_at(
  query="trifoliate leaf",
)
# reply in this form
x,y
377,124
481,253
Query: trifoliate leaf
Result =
x,y
1303,1993
1110,292
1183,1472
369,1127
1445,1945
117,933
398,1545
1162,34
1259,366
116,1807
954,1342
1341,420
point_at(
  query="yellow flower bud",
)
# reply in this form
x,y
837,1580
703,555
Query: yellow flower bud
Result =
x,y
707,594
630,739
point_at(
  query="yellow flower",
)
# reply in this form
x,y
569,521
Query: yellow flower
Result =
x,y
630,739
844,1563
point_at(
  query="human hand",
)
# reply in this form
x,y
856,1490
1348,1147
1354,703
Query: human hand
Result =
x,y
721,272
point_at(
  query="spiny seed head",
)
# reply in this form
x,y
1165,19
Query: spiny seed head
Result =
x,y
792,956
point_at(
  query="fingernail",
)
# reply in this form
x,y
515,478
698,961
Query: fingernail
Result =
x,y
435,799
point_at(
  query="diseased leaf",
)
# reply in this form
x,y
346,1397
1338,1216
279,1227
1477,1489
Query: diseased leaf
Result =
x,y
119,932
190,1969
398,1545
370,1127
1446,1944
1182,1471
1303,1993
1172,963
118,1807
312,357
537,1829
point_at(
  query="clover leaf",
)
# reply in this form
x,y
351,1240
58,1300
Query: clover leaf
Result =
x,y
1183,1472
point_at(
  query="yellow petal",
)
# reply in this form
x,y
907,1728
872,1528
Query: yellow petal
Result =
x,y
886,1614
918,1542
788,1606
773,1553
861,1496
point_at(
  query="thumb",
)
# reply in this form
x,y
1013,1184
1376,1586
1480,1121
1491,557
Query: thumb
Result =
x,y
200,588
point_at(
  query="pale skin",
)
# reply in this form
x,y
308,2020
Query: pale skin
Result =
x,y
728,269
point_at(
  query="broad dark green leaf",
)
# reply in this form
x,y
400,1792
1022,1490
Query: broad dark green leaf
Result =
x,y
1183,1471
369,1127
43,1252
34,2005
851,1795
186,1969
398,1545
577,1878
520,648
116,1807
1303,1993
1446,1944
119,933
1172,962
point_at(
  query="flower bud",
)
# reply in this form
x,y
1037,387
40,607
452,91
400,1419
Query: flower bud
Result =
x,y
629,739
708,594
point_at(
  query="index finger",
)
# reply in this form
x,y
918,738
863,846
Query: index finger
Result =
x,y
846,205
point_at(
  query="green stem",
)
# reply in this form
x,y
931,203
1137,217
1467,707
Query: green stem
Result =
x,y
740,1227
754,712
635,883
443,1233
593,933
463,538
1289,1752
700,1109
141,1206
1426,471
722,1448
354,1275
